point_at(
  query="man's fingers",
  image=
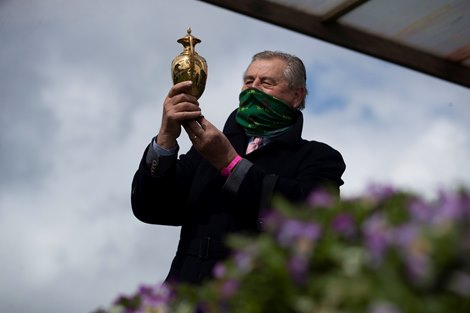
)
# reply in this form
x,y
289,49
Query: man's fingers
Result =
x,y
194,127
184,106
183,111
181,98
192,136
186,116
182,87
203,122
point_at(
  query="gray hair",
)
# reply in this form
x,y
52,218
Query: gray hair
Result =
x,y
294,73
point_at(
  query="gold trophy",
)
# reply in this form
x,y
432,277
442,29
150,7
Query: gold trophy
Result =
x,y
189,65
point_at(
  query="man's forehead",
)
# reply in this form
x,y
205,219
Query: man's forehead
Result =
x,y
270,67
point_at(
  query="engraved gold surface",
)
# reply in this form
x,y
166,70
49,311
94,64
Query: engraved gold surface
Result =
x,y
189,65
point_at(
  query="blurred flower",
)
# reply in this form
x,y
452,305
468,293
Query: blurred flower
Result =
x,y
450,207
298,266
154,296
343,224
229,288
320,198
219,270
292,230
244,259
378,192
414,250
377,237
271,220
421,211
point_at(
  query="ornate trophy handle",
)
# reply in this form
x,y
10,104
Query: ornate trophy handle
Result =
x,y
191,55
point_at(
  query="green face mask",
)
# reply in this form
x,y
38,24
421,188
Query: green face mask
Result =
x,y
261,114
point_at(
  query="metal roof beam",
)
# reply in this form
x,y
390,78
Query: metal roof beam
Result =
x,y
350,38
340,10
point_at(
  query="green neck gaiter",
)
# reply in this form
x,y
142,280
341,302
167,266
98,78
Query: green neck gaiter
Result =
x,y
261,114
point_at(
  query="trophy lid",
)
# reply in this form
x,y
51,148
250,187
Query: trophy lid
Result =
x,y
186,40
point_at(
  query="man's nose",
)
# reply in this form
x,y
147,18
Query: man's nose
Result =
x,y
255,83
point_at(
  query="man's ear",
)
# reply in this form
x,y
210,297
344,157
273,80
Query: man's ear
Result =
x,y
299,96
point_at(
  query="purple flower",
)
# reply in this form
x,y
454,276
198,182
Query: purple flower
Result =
x,y
405,235
219,270
413,248
310,231
145,291
320,198
244,259
417,266
298,266
272,221
450,207
377,237
292,230
379,192
421,211
229,288
465,201
343,224
154,296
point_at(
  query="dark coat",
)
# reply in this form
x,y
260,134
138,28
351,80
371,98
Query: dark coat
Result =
x,y
190,192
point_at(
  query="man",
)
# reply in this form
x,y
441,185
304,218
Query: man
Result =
x,y
219,187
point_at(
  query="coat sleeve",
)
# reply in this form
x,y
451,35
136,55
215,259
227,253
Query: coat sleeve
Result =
x,y
161,198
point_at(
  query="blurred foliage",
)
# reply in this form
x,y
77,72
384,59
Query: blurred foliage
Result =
x,y
387,251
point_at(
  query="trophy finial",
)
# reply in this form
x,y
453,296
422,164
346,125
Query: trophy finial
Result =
x,y
186,40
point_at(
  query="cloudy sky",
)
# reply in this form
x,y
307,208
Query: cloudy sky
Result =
x,y
81,91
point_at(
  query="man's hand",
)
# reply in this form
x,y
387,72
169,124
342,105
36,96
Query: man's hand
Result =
x,y
179,106
210,142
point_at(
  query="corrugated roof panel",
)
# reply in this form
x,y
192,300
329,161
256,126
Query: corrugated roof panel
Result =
x,y
431,36
438,26
316,7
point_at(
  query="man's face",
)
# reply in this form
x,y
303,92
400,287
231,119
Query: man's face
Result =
x,y
267,76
